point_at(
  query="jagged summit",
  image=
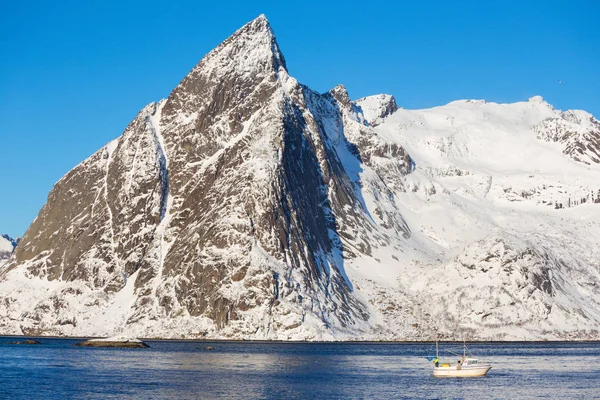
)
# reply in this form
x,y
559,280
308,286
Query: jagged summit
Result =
x,y
257,35
260,23
241,69
250,50
258,38
340,93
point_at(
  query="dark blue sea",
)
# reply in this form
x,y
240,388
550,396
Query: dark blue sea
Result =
x,y
184,370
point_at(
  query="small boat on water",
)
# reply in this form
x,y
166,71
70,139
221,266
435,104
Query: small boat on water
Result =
x,y
464,367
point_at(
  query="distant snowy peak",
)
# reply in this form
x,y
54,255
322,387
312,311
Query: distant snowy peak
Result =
x,y
578,132
340,93
7,242
7,246
376,108
537,100
462,126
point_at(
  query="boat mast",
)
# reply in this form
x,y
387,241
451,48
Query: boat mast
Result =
x,y
436,349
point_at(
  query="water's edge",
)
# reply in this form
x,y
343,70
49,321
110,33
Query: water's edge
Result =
x,y
348,342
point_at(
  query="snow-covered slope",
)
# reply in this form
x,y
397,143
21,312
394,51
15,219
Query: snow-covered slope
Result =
x,y
246,205
7,246
509,218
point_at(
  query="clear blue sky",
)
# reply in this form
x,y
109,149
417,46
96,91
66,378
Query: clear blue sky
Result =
x,y
74,73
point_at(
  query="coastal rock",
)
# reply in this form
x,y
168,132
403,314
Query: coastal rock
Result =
x,y
28,341
117,342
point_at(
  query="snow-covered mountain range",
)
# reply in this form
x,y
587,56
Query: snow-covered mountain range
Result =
x,y
7,246
246,205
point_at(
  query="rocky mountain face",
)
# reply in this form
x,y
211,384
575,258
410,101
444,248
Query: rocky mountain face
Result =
x,y
577,131
7,246
223,204
246,205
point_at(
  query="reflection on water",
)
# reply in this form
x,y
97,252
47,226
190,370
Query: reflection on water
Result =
x,y
183,370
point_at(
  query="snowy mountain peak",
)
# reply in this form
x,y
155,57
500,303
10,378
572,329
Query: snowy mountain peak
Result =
x,y
260,23
228,75
376,108
252,45
536,99
539,103
7,247
340,93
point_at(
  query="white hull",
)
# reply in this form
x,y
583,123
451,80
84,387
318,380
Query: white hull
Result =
x,y
452,371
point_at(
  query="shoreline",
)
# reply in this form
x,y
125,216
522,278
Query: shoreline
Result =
x,y
344,342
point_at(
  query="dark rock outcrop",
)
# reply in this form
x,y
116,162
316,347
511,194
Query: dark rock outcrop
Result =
x,y
577,131
123,344
28,341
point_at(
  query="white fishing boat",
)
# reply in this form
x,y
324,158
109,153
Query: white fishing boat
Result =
x,y
464,367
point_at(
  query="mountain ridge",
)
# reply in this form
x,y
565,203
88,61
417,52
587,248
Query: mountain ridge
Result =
x,y
246,205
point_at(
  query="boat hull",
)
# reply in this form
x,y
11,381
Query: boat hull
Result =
x,y
460,373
